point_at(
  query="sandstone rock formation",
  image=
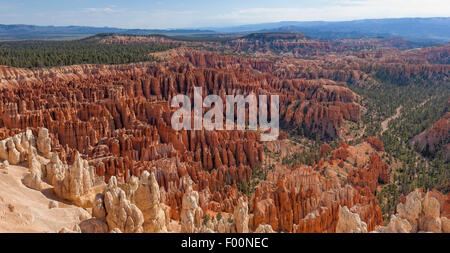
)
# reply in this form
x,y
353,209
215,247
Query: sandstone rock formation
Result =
x,y
114,121
124,39
225,225
277,209
297,44
421,212
4,155
411,209
20,148
54,170
33,179
445,224
76,182
264,229
241,216
115,231
25,210
148,199
93,225
436,139
118,118
120,212
53,204
307,198
4,167
191,213
350,222
76,229
98,208
396,225
44,142
13,154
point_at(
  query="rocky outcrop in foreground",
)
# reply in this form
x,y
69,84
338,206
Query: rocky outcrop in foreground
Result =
x,y
117,210
22,149
350,222
191,213
421,212
75,182
147,198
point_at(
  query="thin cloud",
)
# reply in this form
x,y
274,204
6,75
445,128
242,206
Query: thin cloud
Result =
x,y
100,10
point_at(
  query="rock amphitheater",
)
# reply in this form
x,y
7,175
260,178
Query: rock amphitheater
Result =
x,y
90,149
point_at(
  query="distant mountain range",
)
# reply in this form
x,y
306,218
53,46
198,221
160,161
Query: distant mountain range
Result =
x,y
435,30
413,29
25,32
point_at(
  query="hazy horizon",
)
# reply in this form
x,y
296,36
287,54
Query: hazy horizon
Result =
x,y
219,27
175,14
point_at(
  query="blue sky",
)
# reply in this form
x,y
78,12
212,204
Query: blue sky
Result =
x,y
204,13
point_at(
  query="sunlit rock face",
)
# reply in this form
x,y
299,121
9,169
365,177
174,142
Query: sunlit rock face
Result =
x,y
420,212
